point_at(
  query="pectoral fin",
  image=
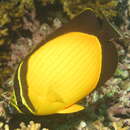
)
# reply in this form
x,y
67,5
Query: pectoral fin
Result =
x,y
71,109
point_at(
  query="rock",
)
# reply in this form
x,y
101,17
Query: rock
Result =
x,y
1,124
82,125
122,73
116,81
57,23
127,66
6,127
125,85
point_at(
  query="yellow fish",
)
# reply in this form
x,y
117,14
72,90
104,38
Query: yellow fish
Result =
x,y
64,70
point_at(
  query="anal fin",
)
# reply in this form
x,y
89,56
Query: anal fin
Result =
x,y
71,109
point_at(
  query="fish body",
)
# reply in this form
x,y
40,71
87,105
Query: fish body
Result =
x,y
75,59
61,72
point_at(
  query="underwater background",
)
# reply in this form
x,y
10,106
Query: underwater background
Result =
x,y
24,24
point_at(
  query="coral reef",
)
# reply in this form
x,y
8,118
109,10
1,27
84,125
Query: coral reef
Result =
x,y
74,7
